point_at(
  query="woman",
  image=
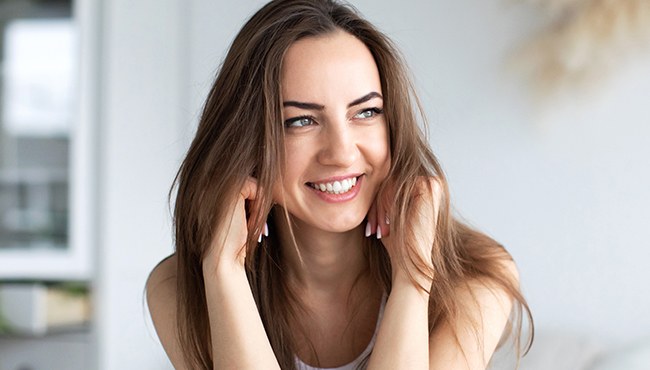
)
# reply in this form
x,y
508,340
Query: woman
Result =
x,y
312,222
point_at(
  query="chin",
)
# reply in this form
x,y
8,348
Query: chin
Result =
x,y
342,226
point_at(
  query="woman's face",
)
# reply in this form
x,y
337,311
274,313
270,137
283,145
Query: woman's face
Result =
x,y
336,136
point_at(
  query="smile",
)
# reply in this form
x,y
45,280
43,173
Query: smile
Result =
x,y
336,187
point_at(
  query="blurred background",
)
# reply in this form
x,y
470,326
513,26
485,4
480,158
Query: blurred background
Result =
x,y
538,111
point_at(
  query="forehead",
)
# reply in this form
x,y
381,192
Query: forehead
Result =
x,y
328,66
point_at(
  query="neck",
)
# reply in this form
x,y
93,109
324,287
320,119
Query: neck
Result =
x,y
321,263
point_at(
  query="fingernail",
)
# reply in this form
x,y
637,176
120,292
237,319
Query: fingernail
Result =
x,y
387,220
266,229
378,232
368,229
259,239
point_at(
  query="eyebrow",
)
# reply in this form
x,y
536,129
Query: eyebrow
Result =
x,y
365,98
314,106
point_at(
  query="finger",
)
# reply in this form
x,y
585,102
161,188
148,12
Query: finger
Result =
x,y
249,195
427,193
382,215
437,195
382,227
371,225
436,186
384,208
249,190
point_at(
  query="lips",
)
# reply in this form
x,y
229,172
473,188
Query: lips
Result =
x,y
343,188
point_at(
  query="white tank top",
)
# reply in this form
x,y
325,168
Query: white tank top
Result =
x,y
352,365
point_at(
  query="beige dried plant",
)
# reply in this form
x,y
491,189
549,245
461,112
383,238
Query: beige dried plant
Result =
x,y
555,5
586,42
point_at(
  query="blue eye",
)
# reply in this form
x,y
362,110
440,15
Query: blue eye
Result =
x,y
299,122
368,113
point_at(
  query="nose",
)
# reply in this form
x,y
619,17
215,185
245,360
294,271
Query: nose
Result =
x,y
339,146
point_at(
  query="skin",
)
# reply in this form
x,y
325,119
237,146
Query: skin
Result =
x,y
342,136
333,83
341,139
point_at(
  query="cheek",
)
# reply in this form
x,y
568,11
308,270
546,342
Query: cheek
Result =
x,y
292,169
294,164
277,193
386,161
379,150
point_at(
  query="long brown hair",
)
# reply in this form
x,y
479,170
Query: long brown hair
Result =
x,y
240,134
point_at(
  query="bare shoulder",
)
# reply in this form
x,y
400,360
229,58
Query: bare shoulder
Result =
x,y
165,270
488,297
161,299
161,284
488,306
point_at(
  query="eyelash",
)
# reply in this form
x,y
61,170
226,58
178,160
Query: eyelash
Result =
x,y
375,111
288,123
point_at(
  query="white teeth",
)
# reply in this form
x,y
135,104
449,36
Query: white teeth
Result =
x,y
337,187
345,185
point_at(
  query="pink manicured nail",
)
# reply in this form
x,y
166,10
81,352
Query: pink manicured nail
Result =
x,y
266,229
378,232
368,229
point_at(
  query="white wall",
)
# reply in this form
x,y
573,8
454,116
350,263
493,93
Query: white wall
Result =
x,y
141,110
563,187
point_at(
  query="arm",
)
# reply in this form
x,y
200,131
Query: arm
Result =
x,y
489,307
403,332
403,340
238,338
403,337
161,301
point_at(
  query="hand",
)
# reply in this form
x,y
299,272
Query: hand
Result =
x,y
228,246
419,224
